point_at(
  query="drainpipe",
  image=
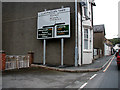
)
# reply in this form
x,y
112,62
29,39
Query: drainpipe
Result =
x,y
76,35
92,4
81,36
92,27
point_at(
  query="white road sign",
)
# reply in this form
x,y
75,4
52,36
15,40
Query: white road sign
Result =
x,y
56,21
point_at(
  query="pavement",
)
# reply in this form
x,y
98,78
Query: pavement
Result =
x,y
97,65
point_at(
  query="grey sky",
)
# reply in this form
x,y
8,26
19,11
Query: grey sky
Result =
x,y
106,12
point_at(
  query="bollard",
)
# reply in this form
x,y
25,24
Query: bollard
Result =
x,y
31,56
2,60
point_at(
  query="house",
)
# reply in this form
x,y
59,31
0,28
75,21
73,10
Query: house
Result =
x,y
108,47
98,39
22,31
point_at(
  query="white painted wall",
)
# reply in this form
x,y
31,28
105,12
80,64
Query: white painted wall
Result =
x,y
87,57
107,50
88,54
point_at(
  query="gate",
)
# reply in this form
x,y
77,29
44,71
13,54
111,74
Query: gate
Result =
x,y
16,61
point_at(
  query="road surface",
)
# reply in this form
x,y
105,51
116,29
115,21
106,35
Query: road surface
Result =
x,y
42,78
108,79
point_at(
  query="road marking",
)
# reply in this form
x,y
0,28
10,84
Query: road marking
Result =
x,y
83,85
108,65
106,62
96,74
93,76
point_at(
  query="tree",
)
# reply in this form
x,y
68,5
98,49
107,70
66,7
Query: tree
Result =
x,y
115,41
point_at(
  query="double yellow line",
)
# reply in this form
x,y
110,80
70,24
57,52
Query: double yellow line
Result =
x,y
109,64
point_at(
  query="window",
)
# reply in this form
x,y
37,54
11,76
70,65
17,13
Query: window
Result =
x,y
86,39
90,39
85,9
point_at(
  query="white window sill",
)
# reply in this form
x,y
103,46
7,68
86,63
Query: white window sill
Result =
x,y
87,51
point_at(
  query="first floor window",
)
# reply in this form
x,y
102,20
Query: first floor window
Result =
x,y
85,11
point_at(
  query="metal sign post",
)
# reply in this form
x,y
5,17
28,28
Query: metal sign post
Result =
x,y
53,24
62,45
44,52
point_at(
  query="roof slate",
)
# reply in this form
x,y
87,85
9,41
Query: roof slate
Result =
x,y
99,28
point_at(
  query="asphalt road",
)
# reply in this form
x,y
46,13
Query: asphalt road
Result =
x,y
108,79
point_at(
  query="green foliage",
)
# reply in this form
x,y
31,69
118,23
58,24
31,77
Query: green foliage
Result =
x,y
115,41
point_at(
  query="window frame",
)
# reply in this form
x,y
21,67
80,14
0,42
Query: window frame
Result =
x,y
85,9
89,39
86,38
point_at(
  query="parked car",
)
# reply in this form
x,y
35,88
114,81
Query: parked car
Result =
x,y
118,58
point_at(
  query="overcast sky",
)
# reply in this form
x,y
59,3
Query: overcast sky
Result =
x,y
106,12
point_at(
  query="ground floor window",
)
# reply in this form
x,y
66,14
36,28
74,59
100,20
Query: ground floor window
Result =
x,y
87,39
90,39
